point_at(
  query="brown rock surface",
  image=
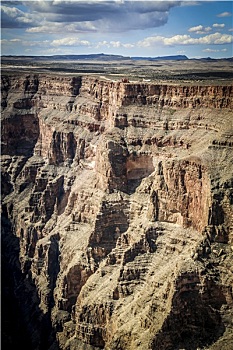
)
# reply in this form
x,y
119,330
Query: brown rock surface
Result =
x,y
116,214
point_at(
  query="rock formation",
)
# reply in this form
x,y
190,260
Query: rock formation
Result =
x,y
116,214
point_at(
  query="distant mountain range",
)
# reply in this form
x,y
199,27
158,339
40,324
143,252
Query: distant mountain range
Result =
x,y
104,57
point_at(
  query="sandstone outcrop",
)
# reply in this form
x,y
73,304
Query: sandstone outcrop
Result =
x,y
117,214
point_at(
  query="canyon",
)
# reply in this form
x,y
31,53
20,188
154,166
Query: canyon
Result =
x,y
117,213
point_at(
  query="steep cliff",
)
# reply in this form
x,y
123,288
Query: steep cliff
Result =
x,y
116,214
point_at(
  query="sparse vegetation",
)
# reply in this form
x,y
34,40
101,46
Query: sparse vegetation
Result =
x,y
162,71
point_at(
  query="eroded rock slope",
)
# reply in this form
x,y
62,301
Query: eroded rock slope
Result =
x,y
116,214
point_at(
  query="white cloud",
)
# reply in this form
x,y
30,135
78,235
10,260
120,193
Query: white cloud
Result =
x,y
119,44
12,12
16,40
26,43
53,51
216,38
200,29
195,29
208,29
224,14
12,17
105,16
80,27
176,40
150,41
41,29
218,25
210,50
57,28
190,3
128,46
101,44
214,50
113,44
70,42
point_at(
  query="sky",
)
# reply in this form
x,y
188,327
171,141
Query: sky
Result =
x,y
122,27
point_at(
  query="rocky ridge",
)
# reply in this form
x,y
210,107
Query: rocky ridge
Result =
x,y
116,213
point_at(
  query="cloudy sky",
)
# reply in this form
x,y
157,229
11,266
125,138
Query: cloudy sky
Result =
x,y
129,28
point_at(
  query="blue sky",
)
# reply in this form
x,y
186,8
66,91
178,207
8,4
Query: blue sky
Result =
x,y
130,28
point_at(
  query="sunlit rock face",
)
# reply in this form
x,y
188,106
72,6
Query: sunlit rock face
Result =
x,y
116,214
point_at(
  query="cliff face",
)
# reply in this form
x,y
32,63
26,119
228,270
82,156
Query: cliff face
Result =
x,y
116,214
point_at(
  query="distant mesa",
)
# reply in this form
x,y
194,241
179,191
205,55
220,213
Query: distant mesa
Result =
x,y
100,57
176,57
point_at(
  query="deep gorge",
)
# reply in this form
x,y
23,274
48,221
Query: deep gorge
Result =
x,y
116,214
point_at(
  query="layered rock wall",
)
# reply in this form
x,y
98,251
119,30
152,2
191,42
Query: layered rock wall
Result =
x,y
117,208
